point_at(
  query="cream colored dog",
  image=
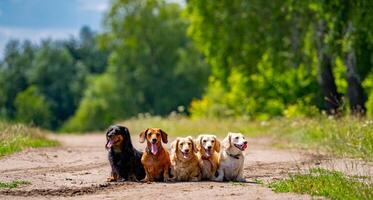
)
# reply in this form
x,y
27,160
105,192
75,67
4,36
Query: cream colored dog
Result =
x,y
208,147
184,162
231,158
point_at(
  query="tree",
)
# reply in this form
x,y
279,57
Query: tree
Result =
x,y
13,73
57,78
32,107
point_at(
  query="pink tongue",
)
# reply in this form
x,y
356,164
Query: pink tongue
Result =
x,y
154,149
109,144
244,146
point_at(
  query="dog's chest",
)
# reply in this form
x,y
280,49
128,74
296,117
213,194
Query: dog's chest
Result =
x,y
233,165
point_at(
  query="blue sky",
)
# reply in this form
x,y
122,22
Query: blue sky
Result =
x,y
57,19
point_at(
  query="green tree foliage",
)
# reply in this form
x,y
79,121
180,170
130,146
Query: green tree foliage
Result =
x,y
98,107
57,69
32,107
153,67
13,74
264,54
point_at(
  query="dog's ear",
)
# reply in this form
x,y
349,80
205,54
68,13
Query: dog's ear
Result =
x,y
127,136
197,143
174,145
164,136
227,141
193,144
217,145
106,135
143,135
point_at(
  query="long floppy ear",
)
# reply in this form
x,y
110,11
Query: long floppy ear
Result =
x,y
197,143
195,150
217,145
143,135
127,136
227,141
164,136
107,139
175,145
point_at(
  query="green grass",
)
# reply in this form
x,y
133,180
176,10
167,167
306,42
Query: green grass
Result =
x,y
345,137
183,126
16,137
13,184
321,182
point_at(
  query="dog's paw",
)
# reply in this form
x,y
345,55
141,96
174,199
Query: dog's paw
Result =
x,y
167,180
133,178
145,180
121,180
242,180
111,179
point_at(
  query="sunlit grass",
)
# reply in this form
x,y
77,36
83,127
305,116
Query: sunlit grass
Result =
x,y
16,137
321,182
13,184
351,137
182,126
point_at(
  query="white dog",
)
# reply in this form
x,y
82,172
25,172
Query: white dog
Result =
x,y
231,158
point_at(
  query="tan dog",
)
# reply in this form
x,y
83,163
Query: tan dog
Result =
x,y
231,158
208,147
184,161
156,159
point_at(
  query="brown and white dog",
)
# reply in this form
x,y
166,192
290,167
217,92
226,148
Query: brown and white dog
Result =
x,y
155,159
184,161
208,147
231,158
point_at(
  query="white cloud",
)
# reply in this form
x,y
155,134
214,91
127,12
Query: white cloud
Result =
x,y
93,5
34,35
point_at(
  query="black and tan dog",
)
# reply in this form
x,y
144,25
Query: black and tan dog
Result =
x,y
124,159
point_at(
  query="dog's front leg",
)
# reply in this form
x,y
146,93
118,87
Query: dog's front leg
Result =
x,y
220,176
113,177
166,174
240,177
147,176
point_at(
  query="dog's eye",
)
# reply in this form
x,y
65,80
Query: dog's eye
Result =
x,y
189,143
212,141
204,141
236,138
149,134
158,134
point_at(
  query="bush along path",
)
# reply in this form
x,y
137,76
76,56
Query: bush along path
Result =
x,y
78,170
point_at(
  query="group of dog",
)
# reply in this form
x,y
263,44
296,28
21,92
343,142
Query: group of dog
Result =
x,y
203,158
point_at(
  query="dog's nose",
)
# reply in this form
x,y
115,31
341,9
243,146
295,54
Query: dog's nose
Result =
x,y
154,140
186,150
245,142
209,147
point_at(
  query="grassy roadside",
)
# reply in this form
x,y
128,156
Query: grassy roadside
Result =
x,y
13,184
346,137
331,184
16,137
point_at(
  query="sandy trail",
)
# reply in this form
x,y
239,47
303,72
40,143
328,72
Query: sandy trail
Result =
x,y
79,167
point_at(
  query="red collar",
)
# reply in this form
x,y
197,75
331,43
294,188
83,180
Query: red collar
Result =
x,y
205,157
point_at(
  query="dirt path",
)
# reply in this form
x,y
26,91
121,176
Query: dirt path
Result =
x,y
78,170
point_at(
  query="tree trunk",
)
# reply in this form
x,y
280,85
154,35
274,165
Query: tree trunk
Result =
x,y
355,90
333,100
